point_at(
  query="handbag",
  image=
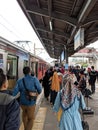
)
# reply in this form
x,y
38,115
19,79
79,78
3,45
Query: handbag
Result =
x,y
85,125
30,95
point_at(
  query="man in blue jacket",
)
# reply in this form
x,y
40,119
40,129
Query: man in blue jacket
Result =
x,y
28,106
9,107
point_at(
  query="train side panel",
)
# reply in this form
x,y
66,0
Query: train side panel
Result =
x,y
23,60
13,58
38,66
12,61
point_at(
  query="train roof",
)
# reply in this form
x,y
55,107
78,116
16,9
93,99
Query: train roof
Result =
x,y
5,41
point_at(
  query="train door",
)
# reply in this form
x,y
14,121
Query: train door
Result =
x,y
12,70
34,67
25,63
40,71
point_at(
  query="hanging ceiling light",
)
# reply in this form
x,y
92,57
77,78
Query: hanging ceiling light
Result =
x,y
50,25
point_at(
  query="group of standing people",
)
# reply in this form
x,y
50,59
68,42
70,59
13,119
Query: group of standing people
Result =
x,y
66,94
71,97
52,83
10,108
90,74
64,89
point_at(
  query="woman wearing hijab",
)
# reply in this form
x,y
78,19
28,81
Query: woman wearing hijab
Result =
x,y
70,100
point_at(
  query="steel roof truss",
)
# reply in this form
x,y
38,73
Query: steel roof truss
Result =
x,y
57,16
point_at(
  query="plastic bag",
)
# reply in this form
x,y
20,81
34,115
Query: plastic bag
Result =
x,y
85,125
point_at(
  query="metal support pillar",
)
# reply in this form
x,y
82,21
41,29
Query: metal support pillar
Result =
x,y
66,55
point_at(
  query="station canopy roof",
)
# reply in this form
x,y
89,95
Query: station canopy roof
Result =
x,y
57,21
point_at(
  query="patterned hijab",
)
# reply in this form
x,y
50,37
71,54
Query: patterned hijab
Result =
x,y
69,92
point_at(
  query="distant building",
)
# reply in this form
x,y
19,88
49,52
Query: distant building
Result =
x,y
87,55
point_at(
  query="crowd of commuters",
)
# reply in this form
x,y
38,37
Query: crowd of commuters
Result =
x,y
64,89
67,89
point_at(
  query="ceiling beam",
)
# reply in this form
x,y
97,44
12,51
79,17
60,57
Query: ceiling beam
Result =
x,y
61,34
90,21
41,16
92,31
91,40
57,16
54,40
50,7
54,45
83,14
53,53
86,10
52,49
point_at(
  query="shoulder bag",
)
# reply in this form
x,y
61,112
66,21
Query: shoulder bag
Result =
x,y
30,95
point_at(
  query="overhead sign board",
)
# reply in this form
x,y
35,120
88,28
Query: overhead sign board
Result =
x,y
79,39
66,66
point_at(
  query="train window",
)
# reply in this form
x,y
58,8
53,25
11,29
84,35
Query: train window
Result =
x,y
12,67
25,63
1,60
34,66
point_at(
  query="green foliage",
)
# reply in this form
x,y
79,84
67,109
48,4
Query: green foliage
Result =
x,y
84,64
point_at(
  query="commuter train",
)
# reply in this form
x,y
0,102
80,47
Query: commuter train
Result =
x,y
13,58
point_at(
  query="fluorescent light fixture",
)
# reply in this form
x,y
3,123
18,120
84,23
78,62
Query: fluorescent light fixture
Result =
x,y
52,48
50,24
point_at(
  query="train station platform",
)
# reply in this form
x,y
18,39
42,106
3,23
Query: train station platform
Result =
x,y
46,120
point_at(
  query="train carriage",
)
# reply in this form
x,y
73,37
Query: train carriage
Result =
x,y
13,58
38,66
